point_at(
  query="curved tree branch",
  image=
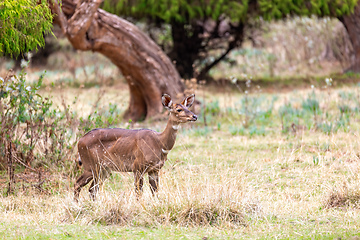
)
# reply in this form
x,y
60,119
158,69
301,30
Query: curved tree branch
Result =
x,y
148,71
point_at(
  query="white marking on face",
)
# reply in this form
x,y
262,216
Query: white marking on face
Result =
x,y
165,151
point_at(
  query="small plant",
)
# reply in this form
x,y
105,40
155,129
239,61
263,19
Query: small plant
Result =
x,y
237,130
256,110
210,113
201,131
311,105
316,160
254,130
213,108
327,127
289,116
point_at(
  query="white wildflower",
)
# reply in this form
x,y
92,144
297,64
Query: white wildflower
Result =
x,y
328,81
24,63
233,80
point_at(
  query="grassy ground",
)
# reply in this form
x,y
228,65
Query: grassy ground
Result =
x,y
276,190
215,185
239,172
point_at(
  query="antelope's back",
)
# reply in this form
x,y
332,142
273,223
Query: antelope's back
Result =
x,y
105,137
117,144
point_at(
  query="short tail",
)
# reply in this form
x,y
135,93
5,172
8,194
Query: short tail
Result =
x,y
79,161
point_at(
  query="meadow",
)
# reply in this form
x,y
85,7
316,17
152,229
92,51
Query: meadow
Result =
x,y
266,160
255,165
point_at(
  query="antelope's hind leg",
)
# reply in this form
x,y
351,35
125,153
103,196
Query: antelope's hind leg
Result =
x,y
154,182
139,182
84,179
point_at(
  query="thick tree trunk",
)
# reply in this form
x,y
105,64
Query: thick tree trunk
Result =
x,y
186,48
193,46
236,42
352,25
148,71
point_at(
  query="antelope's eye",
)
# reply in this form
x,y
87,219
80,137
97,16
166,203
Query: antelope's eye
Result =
x,y
179,110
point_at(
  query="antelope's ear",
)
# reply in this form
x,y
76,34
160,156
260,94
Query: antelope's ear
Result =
x,y
188,101
166,101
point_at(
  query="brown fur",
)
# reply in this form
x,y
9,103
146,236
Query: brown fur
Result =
x,y
139,151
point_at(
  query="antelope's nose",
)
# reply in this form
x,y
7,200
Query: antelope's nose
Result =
x,y
194,117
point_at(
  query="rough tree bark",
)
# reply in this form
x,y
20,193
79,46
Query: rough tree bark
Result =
x,y
148,71
351,23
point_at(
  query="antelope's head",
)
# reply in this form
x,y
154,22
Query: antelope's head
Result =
x,y
179,112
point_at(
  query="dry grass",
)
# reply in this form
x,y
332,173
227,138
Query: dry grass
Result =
x,y
343,197
190,199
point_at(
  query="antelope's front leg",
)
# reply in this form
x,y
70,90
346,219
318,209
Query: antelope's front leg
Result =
x,y
84,179
154,182
139,181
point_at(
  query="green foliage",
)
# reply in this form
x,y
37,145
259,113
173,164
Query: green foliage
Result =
x,y
184,11
181,11
190,20
23,24
273,9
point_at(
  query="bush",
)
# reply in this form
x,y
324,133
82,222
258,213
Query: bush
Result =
x,y
35,134
30,127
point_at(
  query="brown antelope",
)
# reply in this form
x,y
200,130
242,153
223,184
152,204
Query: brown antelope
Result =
x,y
139,151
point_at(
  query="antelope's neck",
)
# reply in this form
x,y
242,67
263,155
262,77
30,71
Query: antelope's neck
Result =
x,y
168,136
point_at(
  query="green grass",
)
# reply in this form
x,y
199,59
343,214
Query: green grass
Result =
x,y
169,232
112,232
